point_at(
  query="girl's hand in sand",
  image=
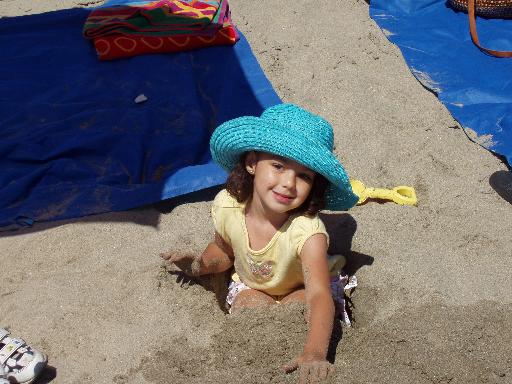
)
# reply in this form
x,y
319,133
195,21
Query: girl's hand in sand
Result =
x,y
312,369
187,262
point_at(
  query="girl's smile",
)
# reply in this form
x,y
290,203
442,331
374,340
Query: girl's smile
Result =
x,y
283,199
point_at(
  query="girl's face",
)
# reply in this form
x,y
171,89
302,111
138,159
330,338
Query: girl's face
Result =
x,y
280,184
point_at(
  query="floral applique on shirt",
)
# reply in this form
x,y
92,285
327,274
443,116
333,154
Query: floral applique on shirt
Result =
x,y
262,270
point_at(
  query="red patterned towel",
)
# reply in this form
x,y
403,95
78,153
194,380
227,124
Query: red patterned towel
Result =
x,y
128,28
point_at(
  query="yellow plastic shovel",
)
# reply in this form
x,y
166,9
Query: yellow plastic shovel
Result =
x,y
402,194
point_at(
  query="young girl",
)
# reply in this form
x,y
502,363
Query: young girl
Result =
x,y
282,172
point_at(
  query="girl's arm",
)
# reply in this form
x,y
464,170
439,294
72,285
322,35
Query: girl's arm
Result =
x,y
320,307
217,257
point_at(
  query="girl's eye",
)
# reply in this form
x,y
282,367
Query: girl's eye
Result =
x,y
277,166
306,177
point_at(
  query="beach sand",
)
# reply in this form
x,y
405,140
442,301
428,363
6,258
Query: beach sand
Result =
x,y
434,303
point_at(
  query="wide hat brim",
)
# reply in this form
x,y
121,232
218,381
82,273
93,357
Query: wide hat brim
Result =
x,y
249,133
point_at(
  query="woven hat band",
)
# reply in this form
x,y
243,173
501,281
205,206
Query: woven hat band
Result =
x,y
296,119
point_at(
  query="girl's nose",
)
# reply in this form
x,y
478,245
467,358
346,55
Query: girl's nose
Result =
x,y
288,179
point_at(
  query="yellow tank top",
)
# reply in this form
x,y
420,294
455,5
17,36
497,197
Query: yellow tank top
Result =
x,y
276,269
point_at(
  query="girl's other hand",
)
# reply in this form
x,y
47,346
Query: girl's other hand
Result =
x,y
312,369
187,262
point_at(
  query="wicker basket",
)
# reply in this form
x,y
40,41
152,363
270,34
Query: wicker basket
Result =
x,y
487,8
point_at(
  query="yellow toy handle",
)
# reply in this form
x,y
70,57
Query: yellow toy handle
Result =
x,y
402,195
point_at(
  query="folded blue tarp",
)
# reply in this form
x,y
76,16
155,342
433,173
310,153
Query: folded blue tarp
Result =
x,y
435,42
72,140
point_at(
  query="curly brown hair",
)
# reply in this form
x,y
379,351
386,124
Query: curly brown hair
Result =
x,y
240,185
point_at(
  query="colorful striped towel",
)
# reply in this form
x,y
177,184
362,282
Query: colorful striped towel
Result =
x,y
128,28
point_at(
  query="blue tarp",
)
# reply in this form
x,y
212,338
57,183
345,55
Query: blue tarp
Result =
x,y
72,140
435,42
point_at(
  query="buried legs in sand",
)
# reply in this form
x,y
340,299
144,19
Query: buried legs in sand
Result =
x,y
312,363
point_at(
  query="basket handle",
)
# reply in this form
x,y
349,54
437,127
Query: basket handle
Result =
x,y
474,34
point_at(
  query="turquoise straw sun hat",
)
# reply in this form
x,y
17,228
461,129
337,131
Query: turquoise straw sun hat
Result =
x,y
288,131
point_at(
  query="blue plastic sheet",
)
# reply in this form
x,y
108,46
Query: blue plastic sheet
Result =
x,y
435,42
72,140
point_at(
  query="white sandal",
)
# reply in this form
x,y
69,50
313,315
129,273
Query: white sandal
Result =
x,y
19,363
